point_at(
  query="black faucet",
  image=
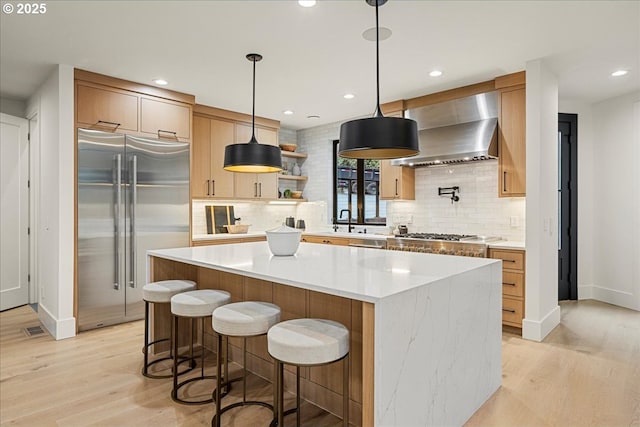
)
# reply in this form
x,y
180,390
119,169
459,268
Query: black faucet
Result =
x,y
348,211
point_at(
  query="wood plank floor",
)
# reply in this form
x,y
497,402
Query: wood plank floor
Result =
x,y
586,373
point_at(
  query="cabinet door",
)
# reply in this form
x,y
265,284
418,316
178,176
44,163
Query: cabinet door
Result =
x,y
201,158
512,148
222,181
97,106
165,118
396,182
251,185
268,182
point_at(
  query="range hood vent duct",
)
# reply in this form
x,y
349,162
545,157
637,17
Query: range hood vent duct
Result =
x,y
456,131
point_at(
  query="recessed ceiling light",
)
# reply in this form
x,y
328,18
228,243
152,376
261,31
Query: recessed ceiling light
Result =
x,y
370,34
435,73
161,82
287,112
619,73
313,116
307,3
349,96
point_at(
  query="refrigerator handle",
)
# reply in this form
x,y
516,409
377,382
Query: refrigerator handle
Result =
x,y
117,183
132,217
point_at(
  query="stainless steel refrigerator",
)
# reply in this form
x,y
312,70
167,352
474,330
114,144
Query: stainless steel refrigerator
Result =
x,y
133,195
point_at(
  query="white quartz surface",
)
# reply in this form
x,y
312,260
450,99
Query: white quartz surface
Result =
x,y
358,273
507,244
366,236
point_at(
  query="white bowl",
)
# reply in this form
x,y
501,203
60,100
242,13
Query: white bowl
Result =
x,y
283,241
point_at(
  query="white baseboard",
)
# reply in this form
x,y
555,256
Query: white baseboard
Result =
x,y
614,296
585,292
59,329
536,330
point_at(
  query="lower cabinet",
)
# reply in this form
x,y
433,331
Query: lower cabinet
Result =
x,y
513,285
325,240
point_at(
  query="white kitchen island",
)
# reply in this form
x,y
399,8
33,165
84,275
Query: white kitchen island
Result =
x,y
426,329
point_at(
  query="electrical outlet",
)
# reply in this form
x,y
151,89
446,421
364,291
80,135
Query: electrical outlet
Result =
x,y
514,221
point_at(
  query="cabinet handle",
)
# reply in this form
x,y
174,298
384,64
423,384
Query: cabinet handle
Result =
x,y
508,310
255,189
213,187
174,134
208,188
260,187
508,260
504,181
117,125
396,186
508,284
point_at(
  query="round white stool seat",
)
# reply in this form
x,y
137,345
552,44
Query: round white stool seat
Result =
x,y
200,303
163,291
245,319
308,341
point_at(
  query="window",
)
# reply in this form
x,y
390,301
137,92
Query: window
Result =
x,y
356,189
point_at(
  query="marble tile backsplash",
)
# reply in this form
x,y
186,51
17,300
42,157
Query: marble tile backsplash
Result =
x,y
479,211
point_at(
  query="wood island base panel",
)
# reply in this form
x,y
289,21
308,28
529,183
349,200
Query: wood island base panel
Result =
x,y
425,329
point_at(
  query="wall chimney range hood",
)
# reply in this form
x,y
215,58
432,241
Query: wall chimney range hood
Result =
x,y
460,130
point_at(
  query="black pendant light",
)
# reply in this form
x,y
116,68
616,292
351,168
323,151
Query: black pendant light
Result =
x,y
253,157
378,137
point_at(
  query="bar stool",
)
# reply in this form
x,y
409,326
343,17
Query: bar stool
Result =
x,y
241,319
308,342
160,293
194,305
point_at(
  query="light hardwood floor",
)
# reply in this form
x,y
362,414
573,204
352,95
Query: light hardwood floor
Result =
x,y
586,373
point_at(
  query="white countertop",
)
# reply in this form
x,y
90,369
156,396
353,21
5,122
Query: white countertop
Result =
x,y
365,236
358,273
507,244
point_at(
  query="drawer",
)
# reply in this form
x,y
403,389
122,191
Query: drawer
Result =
x,y
511,260
512,312
513,284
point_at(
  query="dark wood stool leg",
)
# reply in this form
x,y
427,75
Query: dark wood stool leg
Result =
x,y
345,391
280,386
145,367
297,396
218,381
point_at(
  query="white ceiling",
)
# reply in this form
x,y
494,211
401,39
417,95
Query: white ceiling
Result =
x,y
312,56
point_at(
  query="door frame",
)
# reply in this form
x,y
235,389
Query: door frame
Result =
x,y
34,179
570,241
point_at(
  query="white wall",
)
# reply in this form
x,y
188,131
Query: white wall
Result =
x,y
54,225
542,312
13,107
616,195
480,211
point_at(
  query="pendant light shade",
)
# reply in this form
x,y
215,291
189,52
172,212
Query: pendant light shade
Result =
x,y
253,157
378,137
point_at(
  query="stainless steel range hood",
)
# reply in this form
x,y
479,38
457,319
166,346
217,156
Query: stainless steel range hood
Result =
x,y
455,131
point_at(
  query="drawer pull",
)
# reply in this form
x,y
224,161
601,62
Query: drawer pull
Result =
x,y
509,260
508,310
508,284
174,135
109,123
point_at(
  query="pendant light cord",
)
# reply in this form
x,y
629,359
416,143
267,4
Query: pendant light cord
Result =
x,y
253,111
378,112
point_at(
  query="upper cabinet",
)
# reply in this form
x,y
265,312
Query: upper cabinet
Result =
x,y
256,185
165,118
110,104
512,135
208,178
213,130
396,182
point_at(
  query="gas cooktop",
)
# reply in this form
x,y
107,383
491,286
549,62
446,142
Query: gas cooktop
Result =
x,y
438,236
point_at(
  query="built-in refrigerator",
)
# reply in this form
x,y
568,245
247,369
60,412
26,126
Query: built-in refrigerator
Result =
x,y
133,195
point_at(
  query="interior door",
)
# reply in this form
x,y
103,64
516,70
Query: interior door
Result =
x,y
567,204
14,221
157,208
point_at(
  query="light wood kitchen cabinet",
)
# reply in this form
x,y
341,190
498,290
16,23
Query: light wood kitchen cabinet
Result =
x,y
341,241
513,285
106,108
396,182
511,142
208,177
165,119
256,185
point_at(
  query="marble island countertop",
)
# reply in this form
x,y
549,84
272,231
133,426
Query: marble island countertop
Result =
x,y
357,273
508,244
